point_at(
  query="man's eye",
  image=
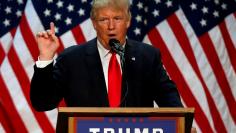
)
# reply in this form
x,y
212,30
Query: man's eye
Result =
x,y
118,18
102,19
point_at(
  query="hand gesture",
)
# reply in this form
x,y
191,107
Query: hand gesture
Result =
x,y
47,43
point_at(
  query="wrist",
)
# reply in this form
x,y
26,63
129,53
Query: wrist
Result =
x,y
45,57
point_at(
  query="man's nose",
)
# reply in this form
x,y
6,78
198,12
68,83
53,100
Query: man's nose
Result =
x,y
111,24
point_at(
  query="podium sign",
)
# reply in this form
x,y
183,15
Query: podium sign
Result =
x,y
125,120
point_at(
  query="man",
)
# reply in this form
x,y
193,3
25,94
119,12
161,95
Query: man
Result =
x,y
81,75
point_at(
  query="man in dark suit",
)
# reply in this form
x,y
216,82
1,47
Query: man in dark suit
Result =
x,y
80,74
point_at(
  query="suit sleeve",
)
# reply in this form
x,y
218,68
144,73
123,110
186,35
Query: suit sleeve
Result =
x,y
47,86
167,92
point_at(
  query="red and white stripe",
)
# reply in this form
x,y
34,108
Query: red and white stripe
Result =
x,y
203,68
2,130
178,40
231,26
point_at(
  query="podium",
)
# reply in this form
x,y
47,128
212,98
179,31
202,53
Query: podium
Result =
x,y
124,120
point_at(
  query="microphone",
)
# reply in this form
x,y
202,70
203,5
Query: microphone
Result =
x,y
116,47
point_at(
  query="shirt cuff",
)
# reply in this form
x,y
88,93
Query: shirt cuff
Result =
x,y
43,64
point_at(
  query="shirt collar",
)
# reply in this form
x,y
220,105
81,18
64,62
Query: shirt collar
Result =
x,y
102,51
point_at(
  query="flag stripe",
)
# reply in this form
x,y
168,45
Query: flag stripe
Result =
x,y
11,113
231,26
207,74
2,129
177,77
88,30
32,18
17,96
2,54
29,38
172,44
186,46
78,35
61,46
68,39
220,47
229,44
4,121
187,71
23,53
52,116
25,84
210,52
8,103
5,42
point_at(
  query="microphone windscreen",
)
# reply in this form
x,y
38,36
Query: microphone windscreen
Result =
x,y
113,42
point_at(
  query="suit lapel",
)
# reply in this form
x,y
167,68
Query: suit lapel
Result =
x,y
98,91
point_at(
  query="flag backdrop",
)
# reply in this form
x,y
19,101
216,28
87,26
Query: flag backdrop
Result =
x,y
197,39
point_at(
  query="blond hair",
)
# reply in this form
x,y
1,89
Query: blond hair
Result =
x,y
116,4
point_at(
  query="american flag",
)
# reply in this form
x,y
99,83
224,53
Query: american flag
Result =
x,y
197,39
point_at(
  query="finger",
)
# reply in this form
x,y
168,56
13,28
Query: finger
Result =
x,y
52,28
54,37
38,34
49,32
45,34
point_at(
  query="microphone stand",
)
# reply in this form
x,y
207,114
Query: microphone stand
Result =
x,y
124,80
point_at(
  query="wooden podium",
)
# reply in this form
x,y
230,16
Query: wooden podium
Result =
x,y
122,120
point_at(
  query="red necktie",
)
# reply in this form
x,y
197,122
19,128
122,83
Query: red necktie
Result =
x,y
114,82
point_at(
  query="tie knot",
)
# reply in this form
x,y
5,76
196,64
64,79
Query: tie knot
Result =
x,y
113,53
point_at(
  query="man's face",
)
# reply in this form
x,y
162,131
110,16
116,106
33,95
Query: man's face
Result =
x,y
111,23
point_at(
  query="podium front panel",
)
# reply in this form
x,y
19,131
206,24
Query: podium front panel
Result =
x,y
126,124
124,120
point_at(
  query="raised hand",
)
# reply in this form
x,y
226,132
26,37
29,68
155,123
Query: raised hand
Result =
x,y
47,43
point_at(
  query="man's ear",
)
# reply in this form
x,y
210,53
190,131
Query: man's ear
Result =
x,y
128,23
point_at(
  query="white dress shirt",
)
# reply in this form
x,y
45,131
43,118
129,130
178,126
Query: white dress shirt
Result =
x,y
104,54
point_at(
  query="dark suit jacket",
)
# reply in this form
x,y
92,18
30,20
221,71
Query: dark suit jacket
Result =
x,y
78,77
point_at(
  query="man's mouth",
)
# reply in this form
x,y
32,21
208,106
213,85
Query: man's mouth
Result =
x,y
111,35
